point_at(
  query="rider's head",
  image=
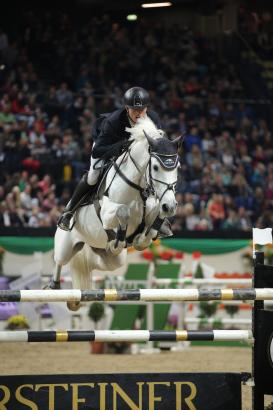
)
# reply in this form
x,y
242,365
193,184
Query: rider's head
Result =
x,y
136,101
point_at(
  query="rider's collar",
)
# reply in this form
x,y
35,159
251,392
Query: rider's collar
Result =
x,y
167,161
131,122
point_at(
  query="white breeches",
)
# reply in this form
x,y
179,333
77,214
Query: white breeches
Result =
x,y
94,170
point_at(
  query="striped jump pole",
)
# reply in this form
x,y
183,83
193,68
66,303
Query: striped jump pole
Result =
x,y
146,295
125,335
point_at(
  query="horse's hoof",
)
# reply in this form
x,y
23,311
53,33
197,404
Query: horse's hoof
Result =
x,y
52,285
115,250
140,243
139,247
74,306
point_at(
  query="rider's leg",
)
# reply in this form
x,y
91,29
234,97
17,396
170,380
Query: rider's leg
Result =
x,y
86,185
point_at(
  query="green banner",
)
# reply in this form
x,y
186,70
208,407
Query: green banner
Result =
x,y
29,245
206,246
26,245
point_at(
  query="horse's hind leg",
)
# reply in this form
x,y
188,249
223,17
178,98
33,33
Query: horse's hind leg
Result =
x,y
55,282
64,250
80,267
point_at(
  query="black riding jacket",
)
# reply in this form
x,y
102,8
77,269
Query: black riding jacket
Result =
x,y
109,132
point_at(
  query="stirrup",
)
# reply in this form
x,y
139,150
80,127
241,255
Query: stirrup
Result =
x,y
61,224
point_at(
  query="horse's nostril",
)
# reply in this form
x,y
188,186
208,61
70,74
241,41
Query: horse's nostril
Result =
x,y
165,208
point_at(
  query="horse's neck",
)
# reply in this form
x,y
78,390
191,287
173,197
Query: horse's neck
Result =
x,y
137,162
134,170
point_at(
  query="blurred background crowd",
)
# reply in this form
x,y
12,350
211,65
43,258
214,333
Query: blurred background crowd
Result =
x,y
57,74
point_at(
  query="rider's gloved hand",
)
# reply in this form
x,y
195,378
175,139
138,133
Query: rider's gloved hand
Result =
x,y
126,144
118,147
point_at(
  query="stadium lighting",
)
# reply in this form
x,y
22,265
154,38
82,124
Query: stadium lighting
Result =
x,y
131,17
162,4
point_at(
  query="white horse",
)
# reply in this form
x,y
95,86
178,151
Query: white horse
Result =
x,y
136,195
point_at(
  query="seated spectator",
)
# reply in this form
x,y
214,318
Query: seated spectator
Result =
x,y
191,219
216,210
231,221
244,220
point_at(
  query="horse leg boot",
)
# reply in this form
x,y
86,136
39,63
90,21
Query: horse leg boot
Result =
x,y
119,243
78,196
55,282
144,239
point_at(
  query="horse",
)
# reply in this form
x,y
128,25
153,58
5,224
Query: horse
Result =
x,y
137,193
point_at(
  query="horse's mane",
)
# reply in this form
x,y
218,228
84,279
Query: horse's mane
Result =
x,y
146,124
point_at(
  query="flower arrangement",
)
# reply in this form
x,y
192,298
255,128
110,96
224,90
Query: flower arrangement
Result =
x,y
157,252
268,254
17,322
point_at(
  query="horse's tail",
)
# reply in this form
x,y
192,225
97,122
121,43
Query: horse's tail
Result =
x,y
81,268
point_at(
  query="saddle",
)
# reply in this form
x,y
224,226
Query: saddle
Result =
x,y
94,191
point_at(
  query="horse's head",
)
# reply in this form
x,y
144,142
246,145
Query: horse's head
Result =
x,y
158,158
161,173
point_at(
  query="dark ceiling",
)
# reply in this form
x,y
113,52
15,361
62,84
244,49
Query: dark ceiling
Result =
x,y
136,4
115,6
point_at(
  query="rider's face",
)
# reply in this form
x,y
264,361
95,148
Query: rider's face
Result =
x,y
134,114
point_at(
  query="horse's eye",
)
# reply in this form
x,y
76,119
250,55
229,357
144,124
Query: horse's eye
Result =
x,y
155,167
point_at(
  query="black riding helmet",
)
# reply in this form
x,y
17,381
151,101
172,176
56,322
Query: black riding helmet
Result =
x,y
136,97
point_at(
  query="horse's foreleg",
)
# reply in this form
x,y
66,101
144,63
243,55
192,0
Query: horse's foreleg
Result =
x,y
119,243
143,240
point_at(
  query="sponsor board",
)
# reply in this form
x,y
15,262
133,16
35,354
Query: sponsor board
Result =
x,y
168,391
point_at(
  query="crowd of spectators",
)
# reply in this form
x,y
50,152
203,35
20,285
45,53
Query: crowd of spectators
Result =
x,y
257,28
58,74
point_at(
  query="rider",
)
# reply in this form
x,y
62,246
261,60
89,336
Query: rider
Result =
x,y
110,138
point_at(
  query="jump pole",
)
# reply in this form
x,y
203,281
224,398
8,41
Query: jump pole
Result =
x,y
125,335
145,295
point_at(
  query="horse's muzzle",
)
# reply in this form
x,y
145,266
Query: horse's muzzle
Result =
x,y
169,209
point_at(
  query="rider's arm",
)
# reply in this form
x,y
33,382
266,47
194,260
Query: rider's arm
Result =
x,y
108,143
155,117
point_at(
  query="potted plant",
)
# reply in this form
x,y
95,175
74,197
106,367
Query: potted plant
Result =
x,y
231,310
207,310
96,313
17,322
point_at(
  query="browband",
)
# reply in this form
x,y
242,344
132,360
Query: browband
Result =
x,y
167,161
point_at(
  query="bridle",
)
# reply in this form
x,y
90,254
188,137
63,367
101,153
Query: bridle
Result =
x,y
167,161
163,159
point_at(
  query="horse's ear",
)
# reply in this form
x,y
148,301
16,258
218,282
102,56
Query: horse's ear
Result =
x,y
179,140
149,139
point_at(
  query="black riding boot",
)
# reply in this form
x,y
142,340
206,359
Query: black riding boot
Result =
x,y
77,198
